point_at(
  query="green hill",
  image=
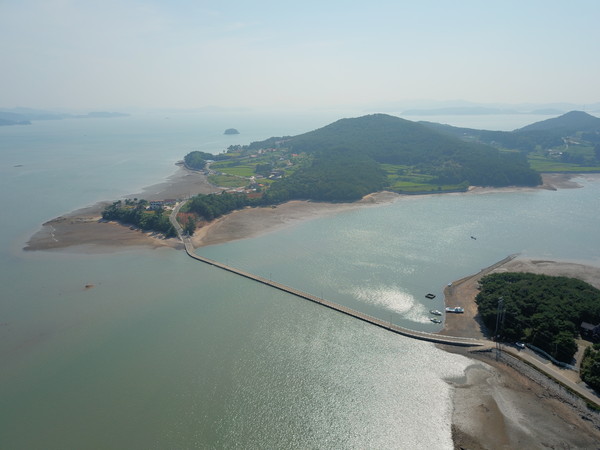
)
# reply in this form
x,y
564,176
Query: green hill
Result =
x,y
569,123
547,133
380,151
568,143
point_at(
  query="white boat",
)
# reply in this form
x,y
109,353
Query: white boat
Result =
x,y
435,320
435,312
456,309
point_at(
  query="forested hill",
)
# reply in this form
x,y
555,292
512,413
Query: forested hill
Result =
x,y
414,149
541,136
387,139
569,123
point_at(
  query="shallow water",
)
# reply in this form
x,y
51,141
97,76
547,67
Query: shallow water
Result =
x,y
165,352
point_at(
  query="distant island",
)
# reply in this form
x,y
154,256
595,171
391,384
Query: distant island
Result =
x,y
100,115
459,110
231,131
24,116
5,121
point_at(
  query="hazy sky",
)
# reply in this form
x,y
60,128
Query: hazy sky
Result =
x,y
192,53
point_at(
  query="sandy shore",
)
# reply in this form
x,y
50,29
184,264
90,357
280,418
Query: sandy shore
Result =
x,y
497,406
252,222
85,230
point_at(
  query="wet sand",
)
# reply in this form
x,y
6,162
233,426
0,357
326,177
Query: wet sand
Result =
x,y
497,406
252,222
84,230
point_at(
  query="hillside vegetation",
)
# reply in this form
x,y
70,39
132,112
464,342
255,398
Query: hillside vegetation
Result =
x,y
135,212
350,158
542,310
568,143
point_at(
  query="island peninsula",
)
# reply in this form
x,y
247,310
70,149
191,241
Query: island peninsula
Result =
x,y
488,423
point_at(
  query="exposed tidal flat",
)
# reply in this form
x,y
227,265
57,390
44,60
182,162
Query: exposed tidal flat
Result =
x,y
143,348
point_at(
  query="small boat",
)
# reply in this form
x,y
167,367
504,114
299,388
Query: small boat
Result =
x,y
474,238
435,320
435,312
456,309
430,296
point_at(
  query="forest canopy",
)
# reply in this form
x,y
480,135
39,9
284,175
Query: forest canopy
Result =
x,y
135,212
543,310
341,148
197,160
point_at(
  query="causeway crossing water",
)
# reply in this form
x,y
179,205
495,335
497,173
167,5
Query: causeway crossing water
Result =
x,y
166,353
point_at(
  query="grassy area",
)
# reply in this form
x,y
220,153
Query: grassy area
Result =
x,y
408,187
403,179
229,181
240,169
544,164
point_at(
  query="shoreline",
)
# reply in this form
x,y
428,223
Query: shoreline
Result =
x,y
493,394
83,229
482,404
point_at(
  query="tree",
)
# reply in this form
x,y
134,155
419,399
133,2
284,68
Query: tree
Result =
x,y
196,160
541,309
135,213
590,366
190,226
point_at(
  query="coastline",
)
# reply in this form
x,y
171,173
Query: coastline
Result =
x,y
84,229
484,404
499,407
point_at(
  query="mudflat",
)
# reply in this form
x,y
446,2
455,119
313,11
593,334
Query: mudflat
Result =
x,y
499,407
495,407
86,230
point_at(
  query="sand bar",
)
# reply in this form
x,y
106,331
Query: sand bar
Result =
x,y
85,230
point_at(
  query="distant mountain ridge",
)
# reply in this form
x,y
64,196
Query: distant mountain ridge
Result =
x,y
459,110
24,116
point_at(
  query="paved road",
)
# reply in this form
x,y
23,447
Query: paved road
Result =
x,y
552,371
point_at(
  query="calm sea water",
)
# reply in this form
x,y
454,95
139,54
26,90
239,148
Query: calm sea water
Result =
x,y
167,353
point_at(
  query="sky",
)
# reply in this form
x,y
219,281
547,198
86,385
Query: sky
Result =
x,y
307,54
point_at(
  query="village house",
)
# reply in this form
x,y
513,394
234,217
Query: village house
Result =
x,y
155,204
590,332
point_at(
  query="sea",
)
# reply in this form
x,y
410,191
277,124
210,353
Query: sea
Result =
x,y
165,352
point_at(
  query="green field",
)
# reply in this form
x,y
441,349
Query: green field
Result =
x,y
237,168
541,163
228,181
404,179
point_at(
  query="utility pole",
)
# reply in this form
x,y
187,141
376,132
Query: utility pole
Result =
x,y
499,321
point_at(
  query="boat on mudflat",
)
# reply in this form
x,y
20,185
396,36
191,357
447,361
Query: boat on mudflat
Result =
x,y
456,309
